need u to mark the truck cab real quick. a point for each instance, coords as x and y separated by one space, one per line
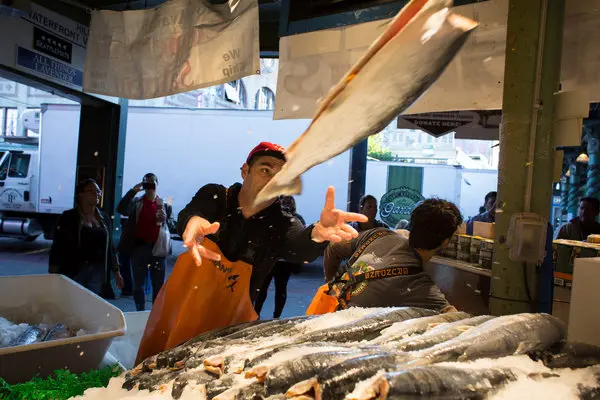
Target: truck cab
18 190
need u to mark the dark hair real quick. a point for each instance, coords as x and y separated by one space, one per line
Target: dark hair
433 221
482 209
490 195
80 188
364 199
292 206
82 185
150 175
593 201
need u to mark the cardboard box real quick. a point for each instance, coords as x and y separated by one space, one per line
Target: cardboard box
483 229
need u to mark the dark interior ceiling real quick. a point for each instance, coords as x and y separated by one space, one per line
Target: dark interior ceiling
270 12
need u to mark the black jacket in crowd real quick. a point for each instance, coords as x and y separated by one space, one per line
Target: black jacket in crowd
63 253
260 240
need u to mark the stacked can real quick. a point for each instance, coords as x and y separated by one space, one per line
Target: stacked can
463 252
475 249
486 253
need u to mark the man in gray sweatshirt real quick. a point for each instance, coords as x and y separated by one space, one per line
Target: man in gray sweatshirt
385 268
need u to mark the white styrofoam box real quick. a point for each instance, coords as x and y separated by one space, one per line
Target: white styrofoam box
36 299
584 314
125 348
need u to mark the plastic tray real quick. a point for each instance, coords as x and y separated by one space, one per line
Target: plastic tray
29 298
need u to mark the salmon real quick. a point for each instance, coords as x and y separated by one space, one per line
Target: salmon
499 337
366 328
399 66
434 382
404 329
439 334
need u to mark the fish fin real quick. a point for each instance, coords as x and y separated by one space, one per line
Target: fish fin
214 370
302 388
259 372
527 347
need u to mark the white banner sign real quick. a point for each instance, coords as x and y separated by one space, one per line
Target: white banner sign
311 63
179 46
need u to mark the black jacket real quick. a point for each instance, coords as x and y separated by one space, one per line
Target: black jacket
66 241
127 206
260 240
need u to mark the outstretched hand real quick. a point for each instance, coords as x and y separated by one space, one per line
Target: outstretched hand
333 223
195 231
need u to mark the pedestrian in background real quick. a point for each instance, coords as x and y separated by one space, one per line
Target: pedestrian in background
82 248
146 236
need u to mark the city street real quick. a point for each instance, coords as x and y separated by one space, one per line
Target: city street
19 257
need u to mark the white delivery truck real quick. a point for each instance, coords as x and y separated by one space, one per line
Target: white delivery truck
186 149
37 174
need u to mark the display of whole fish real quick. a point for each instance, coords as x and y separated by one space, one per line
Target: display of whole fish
434 382
439 334
31 335
340 379
501 336
196 377
281 377
269 328
402 63
401 330
366 328
569 355
280 359
59 331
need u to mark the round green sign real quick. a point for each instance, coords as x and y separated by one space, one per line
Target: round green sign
397 204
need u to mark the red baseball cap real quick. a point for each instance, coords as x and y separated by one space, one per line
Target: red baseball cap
267 149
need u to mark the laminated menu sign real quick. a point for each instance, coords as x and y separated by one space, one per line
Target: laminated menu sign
176 47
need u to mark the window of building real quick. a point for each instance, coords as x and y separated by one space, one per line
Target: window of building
264 99
12 117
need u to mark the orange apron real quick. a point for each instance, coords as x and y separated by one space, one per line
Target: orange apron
195 300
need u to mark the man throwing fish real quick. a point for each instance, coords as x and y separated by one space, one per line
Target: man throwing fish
232 247
385 268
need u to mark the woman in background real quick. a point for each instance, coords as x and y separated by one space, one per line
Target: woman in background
82 248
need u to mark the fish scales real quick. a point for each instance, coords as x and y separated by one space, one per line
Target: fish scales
401 330
180 383
439 334
269 328
434 382
31 335
281 377
569 355
340 379
366 328
404 61
498 337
